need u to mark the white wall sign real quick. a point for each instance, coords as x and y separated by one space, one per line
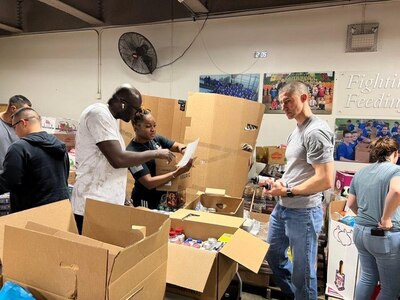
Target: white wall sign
368 93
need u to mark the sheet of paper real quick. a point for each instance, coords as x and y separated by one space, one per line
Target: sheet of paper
189 153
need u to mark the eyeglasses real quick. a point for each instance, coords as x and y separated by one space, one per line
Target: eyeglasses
22 120
15 125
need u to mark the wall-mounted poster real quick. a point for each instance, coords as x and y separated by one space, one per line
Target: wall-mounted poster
238 85
354 136
320 86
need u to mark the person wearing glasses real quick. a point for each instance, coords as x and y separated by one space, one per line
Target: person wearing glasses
146 138
7 134
101 158
375 197
36 167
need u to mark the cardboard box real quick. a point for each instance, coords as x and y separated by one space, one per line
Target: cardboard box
342 179
224 125
178 184
363 153
202 274
111 260
67 138
261 155
222 204
343 262
276 155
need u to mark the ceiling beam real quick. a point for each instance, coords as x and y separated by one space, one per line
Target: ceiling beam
10 28
73 11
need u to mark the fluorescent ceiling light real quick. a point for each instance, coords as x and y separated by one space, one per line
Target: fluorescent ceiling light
195 6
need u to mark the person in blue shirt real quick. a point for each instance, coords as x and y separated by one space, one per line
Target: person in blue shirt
384 133
345 150
350 126
375 196
395 127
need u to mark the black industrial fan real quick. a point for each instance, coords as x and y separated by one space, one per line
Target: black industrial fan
137 52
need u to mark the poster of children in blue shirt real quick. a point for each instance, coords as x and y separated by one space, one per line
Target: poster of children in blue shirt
237 85
353 137
320 87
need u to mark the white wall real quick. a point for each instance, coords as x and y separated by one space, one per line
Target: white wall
58 71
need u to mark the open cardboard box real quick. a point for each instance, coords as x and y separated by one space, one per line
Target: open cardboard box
203 274
122 253
222 204
343 262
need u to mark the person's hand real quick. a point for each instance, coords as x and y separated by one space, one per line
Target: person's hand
278 188
385 224
165 154
185 168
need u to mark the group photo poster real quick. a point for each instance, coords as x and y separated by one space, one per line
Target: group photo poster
320 86
237 85
354 137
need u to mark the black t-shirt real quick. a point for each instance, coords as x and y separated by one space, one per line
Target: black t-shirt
141 196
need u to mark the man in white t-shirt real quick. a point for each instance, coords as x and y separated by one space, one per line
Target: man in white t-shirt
101 159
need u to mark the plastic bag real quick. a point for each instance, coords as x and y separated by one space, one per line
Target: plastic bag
13 291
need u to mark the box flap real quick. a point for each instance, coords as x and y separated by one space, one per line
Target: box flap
189 267
57 215
59 266
209 218
217 192
224 125
246 249
112 223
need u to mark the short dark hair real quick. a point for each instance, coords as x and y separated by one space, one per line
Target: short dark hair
27 111
382 147
346 132
140 115
19 101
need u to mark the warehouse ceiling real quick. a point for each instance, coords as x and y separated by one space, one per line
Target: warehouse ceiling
35 16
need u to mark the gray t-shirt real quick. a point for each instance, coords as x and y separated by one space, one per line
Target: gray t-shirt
370 185
7 137
310 143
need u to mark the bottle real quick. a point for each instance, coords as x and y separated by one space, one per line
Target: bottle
340 277
248 196
258 179
259 201
179 234
172 236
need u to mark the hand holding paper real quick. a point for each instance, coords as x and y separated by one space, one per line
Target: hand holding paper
189 153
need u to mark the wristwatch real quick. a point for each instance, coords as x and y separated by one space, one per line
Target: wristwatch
289 193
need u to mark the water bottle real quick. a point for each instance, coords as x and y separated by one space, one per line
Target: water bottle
259 178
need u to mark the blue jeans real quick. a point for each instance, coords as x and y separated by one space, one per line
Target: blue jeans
298 228
380 261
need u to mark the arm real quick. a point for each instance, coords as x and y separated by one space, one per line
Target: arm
119 158
13 170
151 182
178 147
391 203
352 203
320 181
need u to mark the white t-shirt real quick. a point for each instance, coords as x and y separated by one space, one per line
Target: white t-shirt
95 177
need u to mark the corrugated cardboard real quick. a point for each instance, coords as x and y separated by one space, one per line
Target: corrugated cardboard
212 272
224 125
224 205
178 184
276 155
341 248
112 260
342 179
363 152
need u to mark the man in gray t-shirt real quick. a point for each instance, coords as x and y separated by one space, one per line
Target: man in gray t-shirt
297 219
7 134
